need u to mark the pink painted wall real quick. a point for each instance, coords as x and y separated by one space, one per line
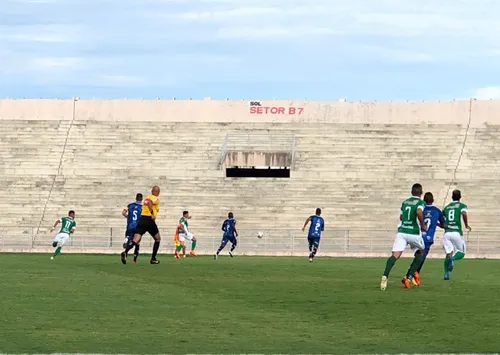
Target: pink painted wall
452 112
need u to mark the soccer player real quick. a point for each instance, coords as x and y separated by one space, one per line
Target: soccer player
229 235
68 226
132 212
453 239
177 242
313 237
433 217
185 233
147 223
411 219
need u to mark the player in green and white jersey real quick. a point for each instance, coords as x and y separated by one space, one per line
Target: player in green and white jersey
68 226
453 238
185 233
411 218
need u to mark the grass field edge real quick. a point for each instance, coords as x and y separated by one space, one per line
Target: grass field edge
106 251
248 354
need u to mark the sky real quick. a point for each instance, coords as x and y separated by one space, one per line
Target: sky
384 50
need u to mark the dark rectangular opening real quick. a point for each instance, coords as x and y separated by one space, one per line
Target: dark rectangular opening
258 172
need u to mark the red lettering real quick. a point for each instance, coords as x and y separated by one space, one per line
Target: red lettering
275 110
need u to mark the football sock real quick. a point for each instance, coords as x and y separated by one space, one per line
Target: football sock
408 273
136 252
417 261
58 250
178 248
421 264
222 246
156 246
314 251
389 265
130 246
193 245
446 264
458 256
233 247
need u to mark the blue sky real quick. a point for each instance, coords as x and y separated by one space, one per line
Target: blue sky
250 49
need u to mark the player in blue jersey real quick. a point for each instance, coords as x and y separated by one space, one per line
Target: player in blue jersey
229 235
132 212
433 217
313 237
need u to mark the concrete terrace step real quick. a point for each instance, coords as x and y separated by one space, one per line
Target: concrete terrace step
358 174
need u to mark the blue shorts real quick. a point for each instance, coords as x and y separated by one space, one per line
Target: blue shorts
313 240
231 239
129 233
427 248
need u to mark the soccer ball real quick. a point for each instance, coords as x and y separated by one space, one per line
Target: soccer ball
260 235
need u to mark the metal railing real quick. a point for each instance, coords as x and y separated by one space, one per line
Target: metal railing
259 141
223 152
294 147
336 242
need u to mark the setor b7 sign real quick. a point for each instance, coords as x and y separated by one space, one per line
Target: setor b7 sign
257 108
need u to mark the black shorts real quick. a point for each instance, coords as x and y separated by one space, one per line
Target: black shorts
146 224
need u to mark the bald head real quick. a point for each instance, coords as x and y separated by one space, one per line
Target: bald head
155 190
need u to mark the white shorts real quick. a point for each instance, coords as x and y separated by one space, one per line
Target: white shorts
189 236
61 238
453 242
415 241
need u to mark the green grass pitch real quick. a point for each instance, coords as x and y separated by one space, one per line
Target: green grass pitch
94 304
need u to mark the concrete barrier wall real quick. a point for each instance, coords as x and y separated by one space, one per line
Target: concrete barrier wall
36 109
477 113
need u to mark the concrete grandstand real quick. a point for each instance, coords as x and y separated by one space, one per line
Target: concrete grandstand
357 161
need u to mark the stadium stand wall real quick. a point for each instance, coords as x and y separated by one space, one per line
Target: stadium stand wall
357 161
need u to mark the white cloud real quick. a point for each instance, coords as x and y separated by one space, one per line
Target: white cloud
390 17
34 1
396 55
225 14
119 80
50 33
270 32
37 37
487 93
57 62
